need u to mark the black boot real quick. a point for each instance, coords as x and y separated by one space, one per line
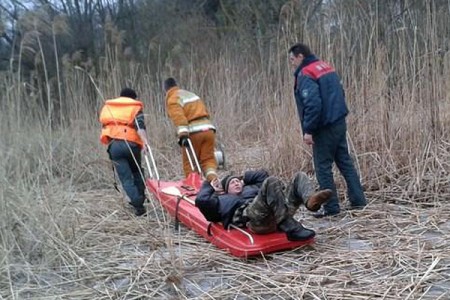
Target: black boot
140 211
295 231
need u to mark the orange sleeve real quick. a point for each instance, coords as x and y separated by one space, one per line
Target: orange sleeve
176 113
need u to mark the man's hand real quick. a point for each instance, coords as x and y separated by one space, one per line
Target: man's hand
143 135
145 149
308 139
216 185
183 140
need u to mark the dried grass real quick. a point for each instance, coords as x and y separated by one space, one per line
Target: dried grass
66 234
93 247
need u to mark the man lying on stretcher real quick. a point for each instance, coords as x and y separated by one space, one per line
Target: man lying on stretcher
260 202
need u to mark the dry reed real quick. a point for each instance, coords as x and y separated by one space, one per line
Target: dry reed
66 234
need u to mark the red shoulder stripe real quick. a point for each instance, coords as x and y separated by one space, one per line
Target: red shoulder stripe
317 69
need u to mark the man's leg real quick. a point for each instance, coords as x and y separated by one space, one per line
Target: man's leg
120 155
138 175
297 192
346 167
324 149
262 210
268 211
204 146
300 191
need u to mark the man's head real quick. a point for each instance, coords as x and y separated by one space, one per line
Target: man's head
297 53
169 83
232 184
129 93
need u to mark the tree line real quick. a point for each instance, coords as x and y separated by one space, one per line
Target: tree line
38 37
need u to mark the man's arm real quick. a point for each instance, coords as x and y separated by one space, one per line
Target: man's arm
312 104
255 177
176 114
141 129
207 202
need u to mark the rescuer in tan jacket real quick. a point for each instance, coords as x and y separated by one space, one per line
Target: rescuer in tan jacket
190 115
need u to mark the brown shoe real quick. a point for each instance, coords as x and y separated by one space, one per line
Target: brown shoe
316 200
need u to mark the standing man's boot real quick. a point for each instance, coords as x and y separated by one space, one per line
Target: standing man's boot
140 211
295 231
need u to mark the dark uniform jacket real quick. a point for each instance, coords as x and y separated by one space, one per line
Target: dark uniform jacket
221 207
319 95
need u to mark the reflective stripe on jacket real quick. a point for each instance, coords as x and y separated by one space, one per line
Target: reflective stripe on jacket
118 119
187 111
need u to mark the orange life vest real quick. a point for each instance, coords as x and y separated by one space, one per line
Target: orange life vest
118 119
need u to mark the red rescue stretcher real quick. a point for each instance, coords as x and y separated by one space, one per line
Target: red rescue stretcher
177 197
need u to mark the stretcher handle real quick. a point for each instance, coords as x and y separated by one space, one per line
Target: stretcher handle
174 191
192 157
155 169
252 241
151 168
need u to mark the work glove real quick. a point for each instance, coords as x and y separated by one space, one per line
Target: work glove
183 141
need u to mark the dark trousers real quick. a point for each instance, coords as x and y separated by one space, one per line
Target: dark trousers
330 145
129 170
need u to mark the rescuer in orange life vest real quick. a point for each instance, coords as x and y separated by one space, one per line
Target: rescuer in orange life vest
190 115
124 133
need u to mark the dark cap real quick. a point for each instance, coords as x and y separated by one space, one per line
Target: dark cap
226 181
129 93
169 83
